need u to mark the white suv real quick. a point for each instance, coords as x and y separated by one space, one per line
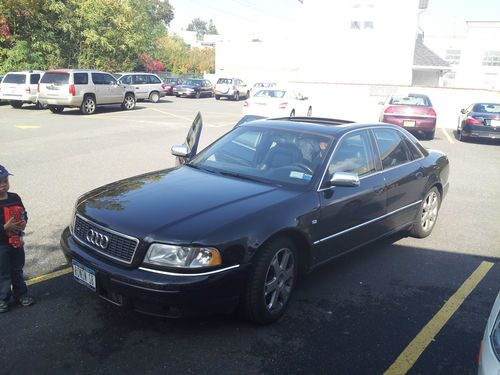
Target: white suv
232 88
85 89
146 85
20 87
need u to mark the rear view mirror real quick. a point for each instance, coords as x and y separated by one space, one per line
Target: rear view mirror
345 179
180 150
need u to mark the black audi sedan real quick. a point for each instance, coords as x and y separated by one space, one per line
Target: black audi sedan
479 120
194 88
236 224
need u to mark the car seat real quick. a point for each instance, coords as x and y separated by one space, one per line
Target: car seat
282 155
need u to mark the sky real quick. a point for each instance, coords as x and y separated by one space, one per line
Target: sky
278 17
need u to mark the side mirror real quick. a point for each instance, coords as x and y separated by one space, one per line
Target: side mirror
463 111
380 103
180 150
345 179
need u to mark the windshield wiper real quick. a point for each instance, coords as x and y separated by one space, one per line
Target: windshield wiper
241 176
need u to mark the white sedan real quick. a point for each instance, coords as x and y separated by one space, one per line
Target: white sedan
489 355
274 102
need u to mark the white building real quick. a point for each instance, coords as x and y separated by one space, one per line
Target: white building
473 53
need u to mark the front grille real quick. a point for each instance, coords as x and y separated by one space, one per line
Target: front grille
120 246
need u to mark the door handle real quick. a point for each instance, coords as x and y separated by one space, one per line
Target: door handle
419 175
379 189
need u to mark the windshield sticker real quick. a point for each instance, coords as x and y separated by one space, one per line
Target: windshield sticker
300 175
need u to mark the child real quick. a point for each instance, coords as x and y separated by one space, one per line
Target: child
11 247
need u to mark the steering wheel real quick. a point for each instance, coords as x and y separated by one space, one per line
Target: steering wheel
302 166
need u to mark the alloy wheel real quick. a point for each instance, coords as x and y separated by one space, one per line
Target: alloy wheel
430 211
279 280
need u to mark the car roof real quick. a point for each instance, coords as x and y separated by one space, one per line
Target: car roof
26 72
319 125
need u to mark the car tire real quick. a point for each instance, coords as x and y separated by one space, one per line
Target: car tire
461 137
430 135
248 95
292 114
427 214
56 108
309 112
236 96
88 105
271 281
217 97
16 104
198 95
128 102
154 97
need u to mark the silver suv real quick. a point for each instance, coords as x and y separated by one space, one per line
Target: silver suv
20 87
84 89
146 85
232 88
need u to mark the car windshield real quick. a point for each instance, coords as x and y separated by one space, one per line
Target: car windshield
273 156
487 108
193 82
270 94
418 100
172 80
225 80
15 78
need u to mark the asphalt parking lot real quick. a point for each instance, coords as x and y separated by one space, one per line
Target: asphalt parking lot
360 314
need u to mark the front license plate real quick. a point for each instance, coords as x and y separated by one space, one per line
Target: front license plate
409 124
84 275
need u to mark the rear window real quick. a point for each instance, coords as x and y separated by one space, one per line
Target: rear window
34 78
418 100
270 94
486 108
173 80
57 78
225 80
15 78
81 79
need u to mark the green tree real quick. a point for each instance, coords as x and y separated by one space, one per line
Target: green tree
211 29
199 26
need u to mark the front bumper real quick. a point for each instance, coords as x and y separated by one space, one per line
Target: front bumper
185 94
167 295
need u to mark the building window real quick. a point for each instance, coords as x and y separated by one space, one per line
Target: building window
453 56
362 14
491 58
355 25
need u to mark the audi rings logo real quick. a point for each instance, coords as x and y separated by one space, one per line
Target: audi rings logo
97 239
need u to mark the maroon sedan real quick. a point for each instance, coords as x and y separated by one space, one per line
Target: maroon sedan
414 112
169 84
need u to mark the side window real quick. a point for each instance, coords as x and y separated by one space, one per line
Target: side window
81 78
127 80
140 79
98 78
354 154
154 79
393 149
34 78
414 152
109 79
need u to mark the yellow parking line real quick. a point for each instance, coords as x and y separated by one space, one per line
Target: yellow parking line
409 356
48 276
27 126
448 136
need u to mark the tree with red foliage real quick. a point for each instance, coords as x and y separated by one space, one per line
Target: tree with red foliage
150 64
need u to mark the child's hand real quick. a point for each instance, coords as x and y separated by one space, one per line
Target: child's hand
13 225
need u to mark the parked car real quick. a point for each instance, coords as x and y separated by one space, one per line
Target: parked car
20 88
277 102
147 86
194 88
479 120
414 112
261 85
489 353
237 223
84 89
231 88
170 83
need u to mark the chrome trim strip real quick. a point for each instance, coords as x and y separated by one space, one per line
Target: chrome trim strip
409 115
111 231
188 274
368 222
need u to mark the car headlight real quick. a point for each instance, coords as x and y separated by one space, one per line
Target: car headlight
72 220
182 256
495 337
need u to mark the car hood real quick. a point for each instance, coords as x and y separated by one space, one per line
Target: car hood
178 205
187 86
